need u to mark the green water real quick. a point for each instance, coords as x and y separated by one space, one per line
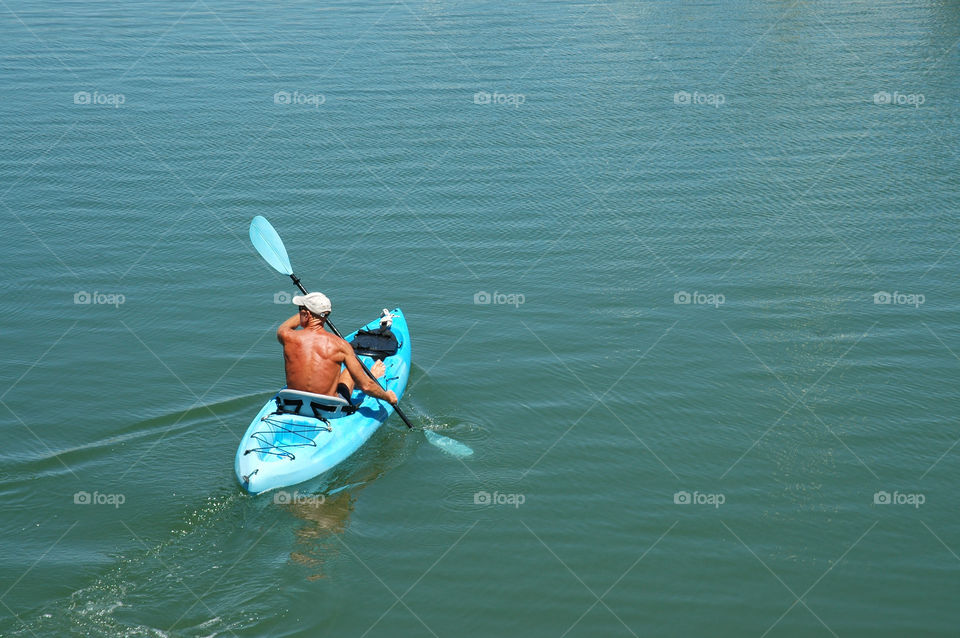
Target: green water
777 164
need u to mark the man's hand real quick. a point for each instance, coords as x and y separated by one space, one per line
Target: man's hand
368 385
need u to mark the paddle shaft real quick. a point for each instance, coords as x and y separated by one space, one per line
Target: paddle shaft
333 329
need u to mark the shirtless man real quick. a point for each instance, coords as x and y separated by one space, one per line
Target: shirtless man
320 362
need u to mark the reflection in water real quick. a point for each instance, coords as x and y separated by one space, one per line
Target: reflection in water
326 510
325 515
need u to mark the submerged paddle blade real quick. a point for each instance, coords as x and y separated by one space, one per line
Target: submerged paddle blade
267 242
448 445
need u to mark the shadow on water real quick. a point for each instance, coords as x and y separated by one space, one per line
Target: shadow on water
325 505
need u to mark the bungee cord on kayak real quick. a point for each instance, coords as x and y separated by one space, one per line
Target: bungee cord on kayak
273 441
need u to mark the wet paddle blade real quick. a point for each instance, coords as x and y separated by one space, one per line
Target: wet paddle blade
448 445
268 243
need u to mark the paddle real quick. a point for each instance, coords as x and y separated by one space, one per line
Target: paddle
268 243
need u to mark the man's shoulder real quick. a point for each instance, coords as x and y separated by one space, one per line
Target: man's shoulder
328 341
339 342
318 339
286 334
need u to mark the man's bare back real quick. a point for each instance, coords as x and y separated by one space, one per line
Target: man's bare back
323 363
312 360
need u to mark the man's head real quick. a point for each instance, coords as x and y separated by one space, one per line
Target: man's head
314 306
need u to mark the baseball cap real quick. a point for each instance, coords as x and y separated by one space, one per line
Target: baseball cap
315 302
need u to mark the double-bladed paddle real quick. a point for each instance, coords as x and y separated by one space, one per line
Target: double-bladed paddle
268 243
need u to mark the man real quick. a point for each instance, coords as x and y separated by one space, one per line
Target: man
320 362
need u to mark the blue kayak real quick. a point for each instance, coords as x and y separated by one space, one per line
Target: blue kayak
298 435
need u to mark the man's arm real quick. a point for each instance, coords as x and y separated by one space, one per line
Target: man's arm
368 385
288 326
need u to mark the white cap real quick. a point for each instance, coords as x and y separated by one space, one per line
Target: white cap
315 302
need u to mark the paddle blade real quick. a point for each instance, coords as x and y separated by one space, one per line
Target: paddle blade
267 242
448 445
